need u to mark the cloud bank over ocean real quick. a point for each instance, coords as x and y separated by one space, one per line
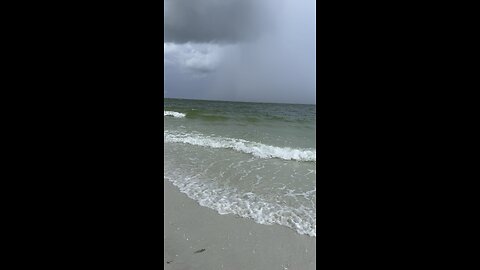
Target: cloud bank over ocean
241 50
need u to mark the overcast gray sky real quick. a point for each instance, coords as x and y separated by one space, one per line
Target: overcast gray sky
240 50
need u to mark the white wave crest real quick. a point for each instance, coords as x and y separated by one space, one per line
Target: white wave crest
174 114
257 149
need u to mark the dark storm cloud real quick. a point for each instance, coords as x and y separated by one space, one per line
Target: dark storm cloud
203 21
241 50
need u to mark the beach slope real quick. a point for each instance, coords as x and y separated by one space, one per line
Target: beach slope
197 237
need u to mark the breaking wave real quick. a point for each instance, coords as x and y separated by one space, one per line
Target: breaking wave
174 114
256 149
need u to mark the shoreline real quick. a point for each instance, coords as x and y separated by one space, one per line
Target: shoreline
197 237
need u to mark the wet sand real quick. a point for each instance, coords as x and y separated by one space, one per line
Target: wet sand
196 237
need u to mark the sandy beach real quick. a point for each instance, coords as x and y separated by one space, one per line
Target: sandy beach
197 237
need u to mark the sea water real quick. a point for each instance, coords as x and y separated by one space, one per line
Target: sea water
253 160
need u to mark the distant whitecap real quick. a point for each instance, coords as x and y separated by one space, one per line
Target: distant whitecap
174 114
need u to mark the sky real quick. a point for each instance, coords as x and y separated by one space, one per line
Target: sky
240 50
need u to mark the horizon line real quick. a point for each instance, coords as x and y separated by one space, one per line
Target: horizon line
259 102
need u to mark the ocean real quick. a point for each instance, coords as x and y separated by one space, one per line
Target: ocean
253 160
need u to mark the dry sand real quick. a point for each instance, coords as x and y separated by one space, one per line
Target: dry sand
197 237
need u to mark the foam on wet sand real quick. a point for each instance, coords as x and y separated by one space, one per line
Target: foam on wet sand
197 237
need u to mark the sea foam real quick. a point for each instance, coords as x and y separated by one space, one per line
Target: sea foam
174 114
254 148
247 205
